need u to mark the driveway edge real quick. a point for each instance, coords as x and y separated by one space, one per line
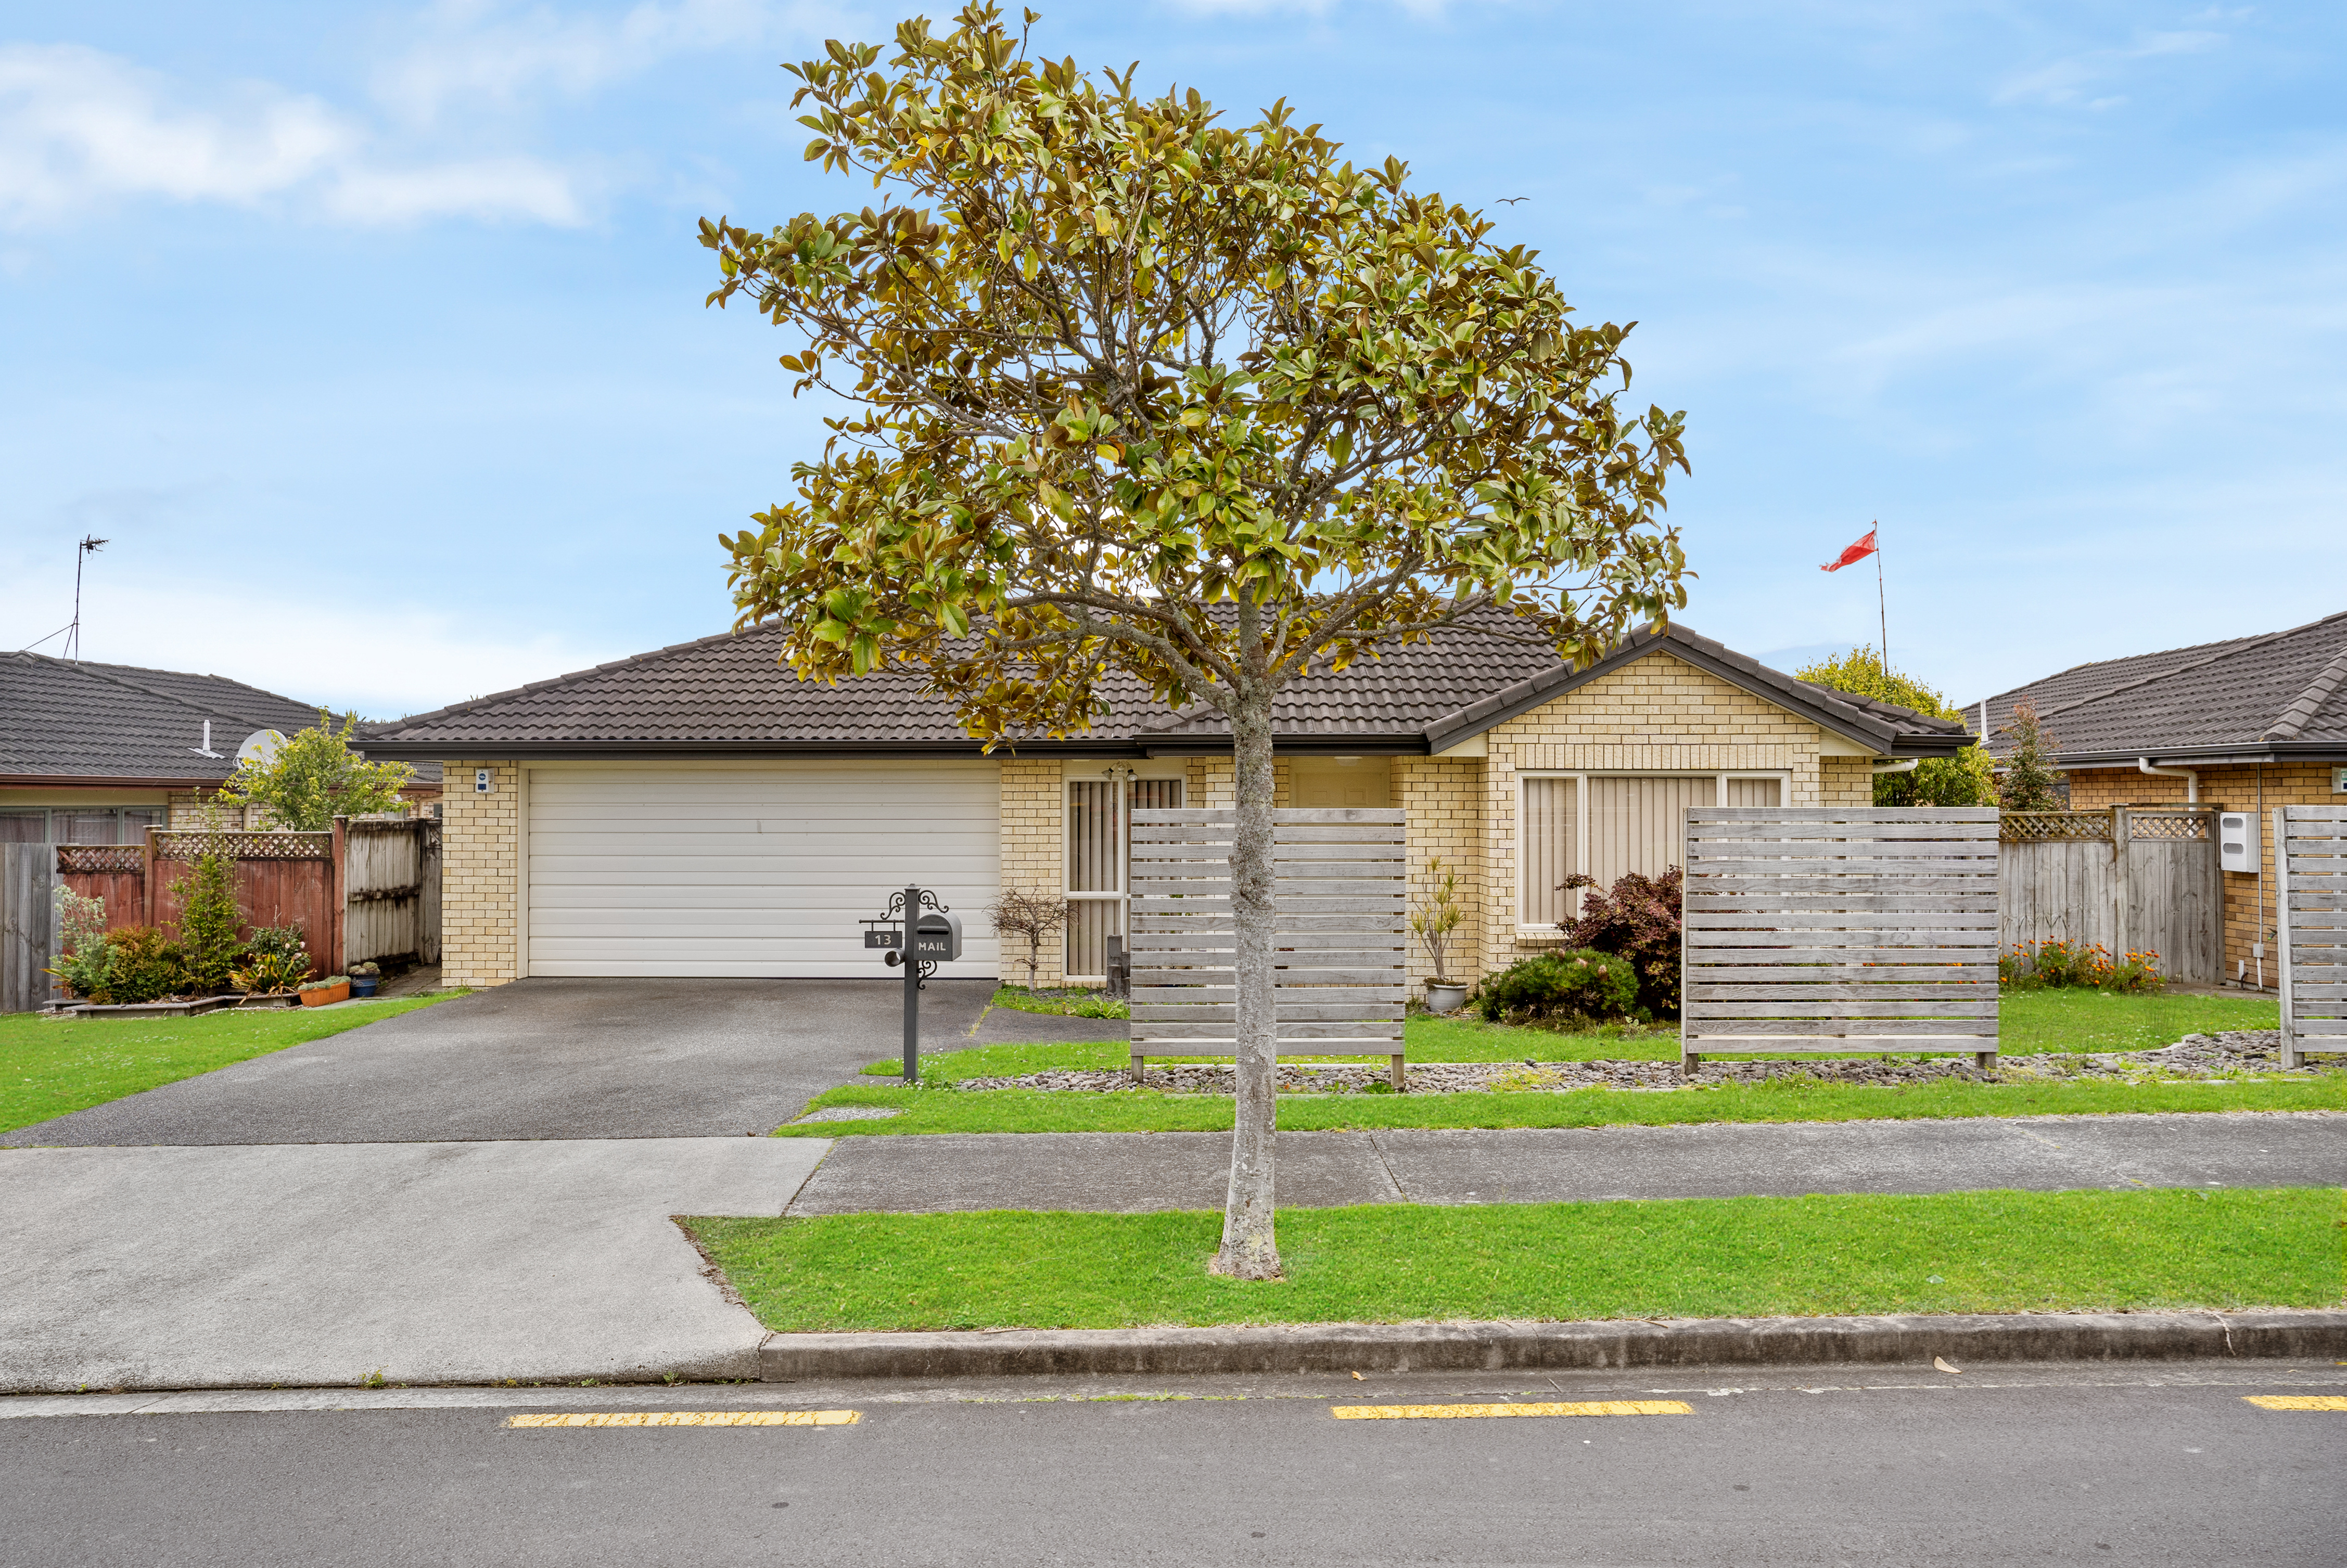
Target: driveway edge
2277 1335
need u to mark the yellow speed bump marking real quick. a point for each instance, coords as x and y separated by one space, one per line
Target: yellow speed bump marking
690 1419
2297 1402
1554 1408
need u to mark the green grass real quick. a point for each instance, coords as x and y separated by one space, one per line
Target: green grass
1700 1257
930 1110
2031 1022
1067 1002
50 1067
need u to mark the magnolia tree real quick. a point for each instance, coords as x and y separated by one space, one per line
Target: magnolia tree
1133 389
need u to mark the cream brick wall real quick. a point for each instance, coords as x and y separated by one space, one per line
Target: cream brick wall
1033 821
1444 797
1658 713
480 870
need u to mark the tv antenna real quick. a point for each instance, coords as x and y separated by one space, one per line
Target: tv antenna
91 545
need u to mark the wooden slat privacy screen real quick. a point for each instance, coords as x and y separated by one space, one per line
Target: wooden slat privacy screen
1341 938
2311 893
1813 930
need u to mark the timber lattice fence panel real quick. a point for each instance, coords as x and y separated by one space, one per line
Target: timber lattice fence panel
2311 893
1813 930
2122 878
1340 933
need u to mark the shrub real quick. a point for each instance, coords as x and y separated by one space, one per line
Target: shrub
87 962
209 921
1582 984
2038 965
2031 781
1639 920
148 966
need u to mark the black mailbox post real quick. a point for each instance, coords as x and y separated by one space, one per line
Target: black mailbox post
936 939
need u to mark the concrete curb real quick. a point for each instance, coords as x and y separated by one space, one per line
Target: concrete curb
1497 1346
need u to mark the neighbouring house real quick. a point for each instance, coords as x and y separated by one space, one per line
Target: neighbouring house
701 811
96 753
2247 724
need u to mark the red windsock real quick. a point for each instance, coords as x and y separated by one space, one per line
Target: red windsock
1856 552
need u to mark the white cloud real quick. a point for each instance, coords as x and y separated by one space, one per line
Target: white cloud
2066 82
79 129
384 659
475 53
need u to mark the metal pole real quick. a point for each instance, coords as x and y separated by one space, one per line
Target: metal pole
912 989
1881 605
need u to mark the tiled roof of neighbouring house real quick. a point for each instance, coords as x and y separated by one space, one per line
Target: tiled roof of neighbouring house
65 718
2282 694
729 693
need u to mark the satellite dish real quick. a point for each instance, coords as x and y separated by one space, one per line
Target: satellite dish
260 748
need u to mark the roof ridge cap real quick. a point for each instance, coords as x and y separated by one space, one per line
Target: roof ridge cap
2299 714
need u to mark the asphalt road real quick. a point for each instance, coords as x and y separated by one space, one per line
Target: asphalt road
2163 1464
545 1059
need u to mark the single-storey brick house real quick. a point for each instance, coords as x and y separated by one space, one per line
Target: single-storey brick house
98 753
701 811
2249 724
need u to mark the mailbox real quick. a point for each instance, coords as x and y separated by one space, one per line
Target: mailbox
937 937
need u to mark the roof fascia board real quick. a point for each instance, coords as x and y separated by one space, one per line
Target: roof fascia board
2208 755
111 780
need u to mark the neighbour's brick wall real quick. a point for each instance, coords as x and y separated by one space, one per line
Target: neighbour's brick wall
480 872
2249 910
1444 797
1657 714
1033 820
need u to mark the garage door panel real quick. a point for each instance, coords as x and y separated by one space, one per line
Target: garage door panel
642 870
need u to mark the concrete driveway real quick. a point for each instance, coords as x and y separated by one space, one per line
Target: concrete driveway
545 1059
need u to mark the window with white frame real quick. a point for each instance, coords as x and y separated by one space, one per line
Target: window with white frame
1604 826
1099 863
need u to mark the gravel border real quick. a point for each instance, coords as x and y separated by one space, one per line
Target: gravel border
2243 1053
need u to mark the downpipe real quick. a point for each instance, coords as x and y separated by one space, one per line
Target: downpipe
2191 779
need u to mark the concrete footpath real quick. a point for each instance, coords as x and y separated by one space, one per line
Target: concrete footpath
1135 1172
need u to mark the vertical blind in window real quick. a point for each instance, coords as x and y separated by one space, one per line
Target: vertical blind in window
1098 845
1635 824
1551 815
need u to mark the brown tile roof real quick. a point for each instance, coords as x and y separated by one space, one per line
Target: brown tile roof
727 693
2277 696
65 719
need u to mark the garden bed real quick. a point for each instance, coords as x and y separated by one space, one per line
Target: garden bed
186 1007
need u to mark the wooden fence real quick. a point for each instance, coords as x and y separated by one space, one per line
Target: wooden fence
26 915
2127 878
369 889
1340 935
390 888
2310 891
1815 929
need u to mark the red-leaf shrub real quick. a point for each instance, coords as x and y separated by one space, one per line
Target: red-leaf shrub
1639 920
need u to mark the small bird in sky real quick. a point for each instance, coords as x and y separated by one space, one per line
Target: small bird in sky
1511 201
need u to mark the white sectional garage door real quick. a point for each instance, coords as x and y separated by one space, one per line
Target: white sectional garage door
670 869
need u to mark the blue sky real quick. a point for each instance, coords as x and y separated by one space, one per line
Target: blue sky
373 337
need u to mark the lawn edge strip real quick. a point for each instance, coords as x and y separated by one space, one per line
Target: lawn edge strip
2273 1334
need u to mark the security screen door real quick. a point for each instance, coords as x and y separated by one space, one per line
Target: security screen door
1100 851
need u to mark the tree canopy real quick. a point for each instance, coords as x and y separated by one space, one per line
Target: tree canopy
1117 363
315 777
1964 780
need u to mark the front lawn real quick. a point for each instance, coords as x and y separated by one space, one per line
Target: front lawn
1698 1257
1787 1099
51 1067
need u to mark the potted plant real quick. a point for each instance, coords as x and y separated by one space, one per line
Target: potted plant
1435 917
319 992
364 977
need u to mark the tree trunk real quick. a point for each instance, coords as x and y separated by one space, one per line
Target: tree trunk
1250 1250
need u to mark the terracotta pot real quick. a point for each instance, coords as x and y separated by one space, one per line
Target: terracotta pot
321 995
